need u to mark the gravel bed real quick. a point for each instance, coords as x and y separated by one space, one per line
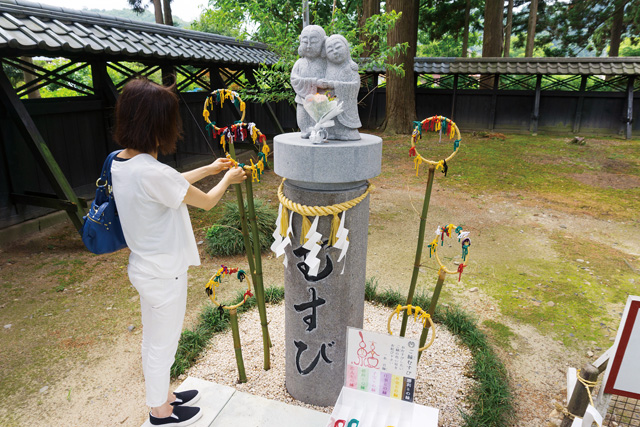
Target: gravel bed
442 380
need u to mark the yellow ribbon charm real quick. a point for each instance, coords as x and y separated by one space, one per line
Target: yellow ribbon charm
417 161
398 311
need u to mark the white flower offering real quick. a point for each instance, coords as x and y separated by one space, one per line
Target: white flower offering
322 109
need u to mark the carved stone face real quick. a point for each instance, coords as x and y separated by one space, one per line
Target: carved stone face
337 52
310 44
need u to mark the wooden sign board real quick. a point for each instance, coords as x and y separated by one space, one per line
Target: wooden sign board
623 372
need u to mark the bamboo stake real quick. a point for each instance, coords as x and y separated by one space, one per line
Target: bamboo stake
243 219
432 306
416 264
257 283
235 331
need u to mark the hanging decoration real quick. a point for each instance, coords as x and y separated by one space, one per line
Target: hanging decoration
419 315
439 124
242 132
463 238
237 132
309 237
216 280
218 97
210 289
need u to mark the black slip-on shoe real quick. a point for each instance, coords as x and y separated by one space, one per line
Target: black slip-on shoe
182 416
186 398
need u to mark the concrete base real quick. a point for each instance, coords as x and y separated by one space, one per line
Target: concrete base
319 308
334 162
223 406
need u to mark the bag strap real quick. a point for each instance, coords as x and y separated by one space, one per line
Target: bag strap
105 177
106 169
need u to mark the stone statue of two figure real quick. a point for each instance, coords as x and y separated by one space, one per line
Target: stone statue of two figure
325 66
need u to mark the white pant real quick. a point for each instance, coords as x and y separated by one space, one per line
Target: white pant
163 303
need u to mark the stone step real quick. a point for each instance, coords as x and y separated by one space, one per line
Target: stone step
224 406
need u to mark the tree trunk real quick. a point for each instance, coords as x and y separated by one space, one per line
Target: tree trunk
492 40
168 17
157 8
616 27
531 29
465 35
369 9
507 30
401 91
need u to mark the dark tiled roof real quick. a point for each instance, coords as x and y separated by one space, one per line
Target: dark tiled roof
28 28
561 66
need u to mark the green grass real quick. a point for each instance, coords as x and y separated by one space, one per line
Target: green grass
500 333
539 168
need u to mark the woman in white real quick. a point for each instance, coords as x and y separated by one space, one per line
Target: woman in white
152 201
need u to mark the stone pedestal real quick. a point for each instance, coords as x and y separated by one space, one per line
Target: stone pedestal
320 307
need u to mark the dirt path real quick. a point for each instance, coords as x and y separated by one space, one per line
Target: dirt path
92 374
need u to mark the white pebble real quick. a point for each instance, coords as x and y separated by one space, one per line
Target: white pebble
444 366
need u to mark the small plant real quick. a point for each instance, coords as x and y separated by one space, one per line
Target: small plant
225 238
59 288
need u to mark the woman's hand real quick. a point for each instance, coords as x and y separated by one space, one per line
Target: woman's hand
198 198
219 165
235 175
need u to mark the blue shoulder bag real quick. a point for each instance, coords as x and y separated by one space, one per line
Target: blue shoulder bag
101 231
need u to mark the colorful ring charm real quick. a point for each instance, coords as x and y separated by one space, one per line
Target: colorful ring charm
434 124
216 280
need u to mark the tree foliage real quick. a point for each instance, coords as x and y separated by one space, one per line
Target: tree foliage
278 24
583 27
444 20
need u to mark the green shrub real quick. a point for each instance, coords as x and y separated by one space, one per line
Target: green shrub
225 238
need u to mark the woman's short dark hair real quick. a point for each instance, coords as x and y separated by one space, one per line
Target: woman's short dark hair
148 117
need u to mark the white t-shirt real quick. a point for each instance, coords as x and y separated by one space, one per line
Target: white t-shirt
154 220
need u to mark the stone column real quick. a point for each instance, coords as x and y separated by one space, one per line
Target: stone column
320 307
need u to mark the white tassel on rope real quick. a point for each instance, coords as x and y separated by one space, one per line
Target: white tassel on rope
342 241
279 244
277 237
313 237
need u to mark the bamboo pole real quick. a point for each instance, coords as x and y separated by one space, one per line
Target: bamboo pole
416 264
235 331
258 283
243 219
250 257
432 306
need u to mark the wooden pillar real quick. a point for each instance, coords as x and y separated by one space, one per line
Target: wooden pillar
578 116
536 106
453 97
494 101
580 396
267 106
66 197
629 115
103 86
104 89
168 75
